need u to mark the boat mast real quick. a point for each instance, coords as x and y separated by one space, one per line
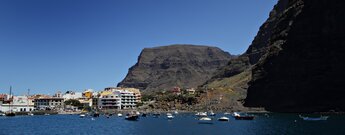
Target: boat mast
27 98
10 100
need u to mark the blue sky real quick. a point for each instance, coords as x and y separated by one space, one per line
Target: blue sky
50 45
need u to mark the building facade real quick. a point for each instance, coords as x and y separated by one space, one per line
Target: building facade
18 104
109 100
49 103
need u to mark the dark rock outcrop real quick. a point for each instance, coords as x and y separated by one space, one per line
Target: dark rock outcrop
302 70
258 47
186 66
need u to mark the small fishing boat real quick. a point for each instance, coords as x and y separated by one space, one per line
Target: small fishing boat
212 113
119 115
243 116
223 119
205 120
46 114
10 114
314 118
30 114
156 115
201 114
175 112
82 115
227 113
170 116
131 117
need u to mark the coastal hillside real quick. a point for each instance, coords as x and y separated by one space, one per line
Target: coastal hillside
185 66
234 77
302 70
258 47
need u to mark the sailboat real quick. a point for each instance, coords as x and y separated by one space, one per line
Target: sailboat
10 114
27 106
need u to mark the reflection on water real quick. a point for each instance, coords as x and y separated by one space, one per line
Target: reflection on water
185 124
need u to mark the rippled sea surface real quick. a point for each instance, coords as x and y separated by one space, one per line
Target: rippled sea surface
182 124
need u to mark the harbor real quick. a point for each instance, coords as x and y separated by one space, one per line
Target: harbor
182 123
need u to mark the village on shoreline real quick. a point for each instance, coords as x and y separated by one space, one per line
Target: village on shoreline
72 102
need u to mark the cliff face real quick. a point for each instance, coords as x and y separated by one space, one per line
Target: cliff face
258 47
186 66
232 80
302 70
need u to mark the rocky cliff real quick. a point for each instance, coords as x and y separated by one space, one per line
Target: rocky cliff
302 70
186 66
258 47
231 81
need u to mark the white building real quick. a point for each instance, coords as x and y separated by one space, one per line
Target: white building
19 104
113 98
128 99
109 100
72 95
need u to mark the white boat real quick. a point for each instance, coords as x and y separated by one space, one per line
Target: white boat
30 114
212 113
46 114
119 115
176 112
170 116
223 119
201 114
205 120
82 115
314 118
227 113
137 113
2 114
236 114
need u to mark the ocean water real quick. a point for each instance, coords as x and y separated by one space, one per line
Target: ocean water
182 124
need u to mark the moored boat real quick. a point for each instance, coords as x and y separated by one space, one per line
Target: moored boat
119 115
212 113
223 118
10 114
137 113
156 115
131 117
30 114
176 112
227 113
201 114
82 115
243 116
205 120
170 116
314 118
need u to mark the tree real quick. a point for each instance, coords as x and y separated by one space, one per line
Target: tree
73 102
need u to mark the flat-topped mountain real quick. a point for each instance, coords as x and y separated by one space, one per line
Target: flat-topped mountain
185 66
